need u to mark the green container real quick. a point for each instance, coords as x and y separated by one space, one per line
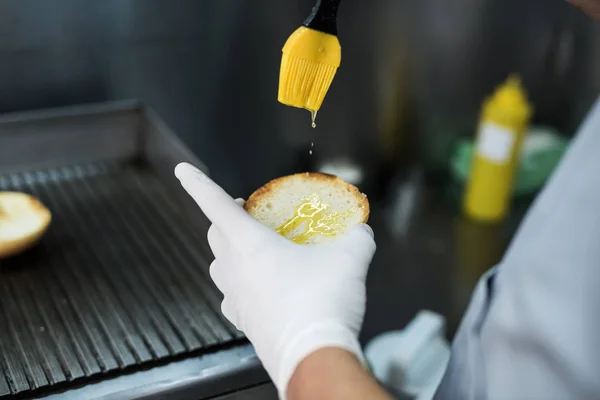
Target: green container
541 152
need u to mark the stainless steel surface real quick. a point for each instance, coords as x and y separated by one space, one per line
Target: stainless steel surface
432 260
203 377
413 73
263 392
106 131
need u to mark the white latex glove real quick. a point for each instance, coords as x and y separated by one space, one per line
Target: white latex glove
288 299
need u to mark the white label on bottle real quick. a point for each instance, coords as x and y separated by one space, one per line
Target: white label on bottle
495 143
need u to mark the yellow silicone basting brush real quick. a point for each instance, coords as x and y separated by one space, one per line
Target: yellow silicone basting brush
311 57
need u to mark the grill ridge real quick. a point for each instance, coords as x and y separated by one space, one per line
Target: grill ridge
120 280
192 252
183 257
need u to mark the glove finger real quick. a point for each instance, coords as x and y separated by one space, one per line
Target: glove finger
228 310
219 207
361 235
241 202
217 242
368 229
359 244
219 276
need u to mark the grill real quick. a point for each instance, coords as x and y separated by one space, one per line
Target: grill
119 281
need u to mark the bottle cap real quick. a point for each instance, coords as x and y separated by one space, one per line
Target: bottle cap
511 96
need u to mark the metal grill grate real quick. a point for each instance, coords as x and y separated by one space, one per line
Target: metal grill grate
119 280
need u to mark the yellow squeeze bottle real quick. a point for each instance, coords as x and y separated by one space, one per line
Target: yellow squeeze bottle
504 120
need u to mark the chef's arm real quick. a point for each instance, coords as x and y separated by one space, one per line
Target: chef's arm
331 374
591 7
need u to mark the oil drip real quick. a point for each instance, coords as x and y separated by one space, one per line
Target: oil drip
313 117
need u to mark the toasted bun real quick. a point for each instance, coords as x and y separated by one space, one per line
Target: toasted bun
334 205
23 221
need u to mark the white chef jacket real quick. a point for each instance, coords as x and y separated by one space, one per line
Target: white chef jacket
532 330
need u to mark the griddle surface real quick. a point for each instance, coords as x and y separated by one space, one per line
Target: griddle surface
119 281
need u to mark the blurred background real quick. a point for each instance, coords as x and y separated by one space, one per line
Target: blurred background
413 77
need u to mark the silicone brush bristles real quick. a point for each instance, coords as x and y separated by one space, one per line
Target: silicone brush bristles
309 63
304 83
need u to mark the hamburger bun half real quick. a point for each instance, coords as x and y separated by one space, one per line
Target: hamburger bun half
23 221
309 208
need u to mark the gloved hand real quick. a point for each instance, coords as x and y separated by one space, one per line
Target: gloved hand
288 299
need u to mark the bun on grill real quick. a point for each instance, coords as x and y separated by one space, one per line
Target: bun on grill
309 208
23 221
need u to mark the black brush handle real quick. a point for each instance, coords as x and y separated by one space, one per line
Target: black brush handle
323 17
